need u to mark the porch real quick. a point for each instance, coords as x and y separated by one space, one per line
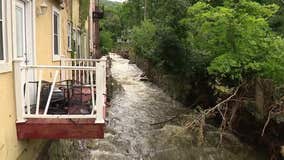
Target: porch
59 102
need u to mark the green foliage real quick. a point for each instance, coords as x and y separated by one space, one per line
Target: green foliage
143 39
227 41
111 21
106 42
236 40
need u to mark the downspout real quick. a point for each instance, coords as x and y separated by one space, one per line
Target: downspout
90 35
96 32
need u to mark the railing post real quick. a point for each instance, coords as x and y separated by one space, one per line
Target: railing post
100 91
19 78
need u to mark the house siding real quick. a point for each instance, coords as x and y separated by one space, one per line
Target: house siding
10 147
44 31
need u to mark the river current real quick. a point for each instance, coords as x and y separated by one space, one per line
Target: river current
130 134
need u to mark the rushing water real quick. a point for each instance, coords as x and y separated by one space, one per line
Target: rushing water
129 135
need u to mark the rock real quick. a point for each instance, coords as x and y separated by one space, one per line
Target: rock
143 75
144 79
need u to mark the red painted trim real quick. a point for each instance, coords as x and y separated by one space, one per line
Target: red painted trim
60 129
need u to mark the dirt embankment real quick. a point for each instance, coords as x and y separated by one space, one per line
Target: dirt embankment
254 114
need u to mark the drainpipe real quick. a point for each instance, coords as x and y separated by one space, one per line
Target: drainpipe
90 29
96 32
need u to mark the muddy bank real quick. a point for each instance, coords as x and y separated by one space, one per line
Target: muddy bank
249 117
184 90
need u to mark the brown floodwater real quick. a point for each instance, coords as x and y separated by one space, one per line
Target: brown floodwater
130 136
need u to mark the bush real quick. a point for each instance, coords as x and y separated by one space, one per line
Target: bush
143 40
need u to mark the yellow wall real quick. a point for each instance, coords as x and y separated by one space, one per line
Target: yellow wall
77 24
44 37
75 13
10 147
44 34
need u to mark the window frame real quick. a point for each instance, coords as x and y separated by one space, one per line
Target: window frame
74 39
24 34
55 11
2 19
69 36
5 64
78 46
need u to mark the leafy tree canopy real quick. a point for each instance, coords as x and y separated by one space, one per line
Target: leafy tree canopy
236 40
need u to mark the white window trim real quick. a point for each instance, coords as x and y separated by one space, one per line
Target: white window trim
69 34
56 57
30 30
25 25
6 64
3 33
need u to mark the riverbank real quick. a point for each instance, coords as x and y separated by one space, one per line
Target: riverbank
244 121
136 131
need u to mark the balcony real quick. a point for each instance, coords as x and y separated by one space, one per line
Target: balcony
61 102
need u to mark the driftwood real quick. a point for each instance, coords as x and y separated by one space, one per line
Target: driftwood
216 107
200 120
166 121
276 110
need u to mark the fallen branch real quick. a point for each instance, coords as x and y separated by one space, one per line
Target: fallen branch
223 127
271 113
266 123
208 111
166 121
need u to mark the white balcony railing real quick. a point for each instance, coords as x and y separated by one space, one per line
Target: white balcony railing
81 74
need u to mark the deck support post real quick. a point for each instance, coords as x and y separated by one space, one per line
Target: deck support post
100 91
19 78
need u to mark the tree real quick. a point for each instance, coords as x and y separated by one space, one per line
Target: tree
106 42
143 40
236 40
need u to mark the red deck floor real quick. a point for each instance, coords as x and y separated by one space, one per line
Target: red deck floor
79 103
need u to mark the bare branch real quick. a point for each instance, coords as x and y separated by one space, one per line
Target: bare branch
208 111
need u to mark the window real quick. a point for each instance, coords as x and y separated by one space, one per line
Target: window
74 39
79 44
5 58
69 36
56 34
2 55
74 34
20 30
